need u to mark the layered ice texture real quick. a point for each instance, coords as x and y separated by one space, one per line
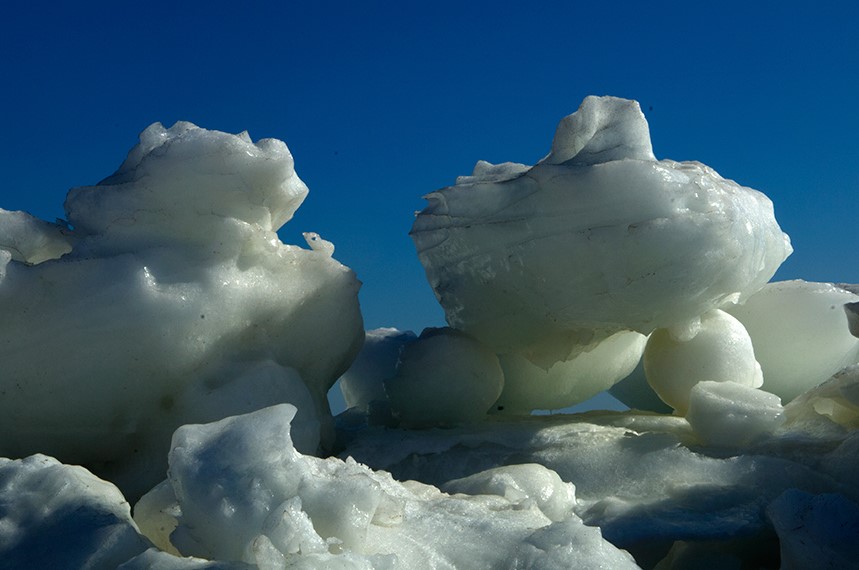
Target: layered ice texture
168 299
598 237
168 340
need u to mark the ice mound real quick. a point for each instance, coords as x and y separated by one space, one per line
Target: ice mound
378 360
716 349
62 516
596 238
176 303
800 333
239 491
444 377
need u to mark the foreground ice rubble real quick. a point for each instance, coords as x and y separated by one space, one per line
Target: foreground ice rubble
167 299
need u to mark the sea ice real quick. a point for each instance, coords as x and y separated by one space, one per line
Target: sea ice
800 334
363 383
62 516
170 300
731 414
529 387
241 492
716 348
597 238
444 377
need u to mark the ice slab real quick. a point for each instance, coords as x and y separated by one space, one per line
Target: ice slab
597 238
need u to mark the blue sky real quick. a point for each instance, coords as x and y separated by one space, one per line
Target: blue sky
382 102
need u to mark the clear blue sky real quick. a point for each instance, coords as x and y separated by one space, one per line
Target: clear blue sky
382 102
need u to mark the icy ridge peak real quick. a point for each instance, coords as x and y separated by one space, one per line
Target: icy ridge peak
603 129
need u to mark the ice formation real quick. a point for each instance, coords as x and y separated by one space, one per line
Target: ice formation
800 334
444 377
598 237
170 300
239 491
718 350
168 308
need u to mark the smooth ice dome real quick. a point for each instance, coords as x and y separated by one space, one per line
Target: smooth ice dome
715 348
596 238
176 303
800 332
444 377
529 387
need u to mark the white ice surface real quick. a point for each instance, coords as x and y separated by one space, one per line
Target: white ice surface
177 303
596 238
714 348
800 334
241 492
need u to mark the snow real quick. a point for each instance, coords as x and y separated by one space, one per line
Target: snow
164 348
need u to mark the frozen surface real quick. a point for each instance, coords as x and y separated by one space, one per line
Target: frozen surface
596 238
800 334
715 349
62 516
445 377
177 303
240 491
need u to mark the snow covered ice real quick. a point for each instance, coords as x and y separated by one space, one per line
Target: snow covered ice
191 352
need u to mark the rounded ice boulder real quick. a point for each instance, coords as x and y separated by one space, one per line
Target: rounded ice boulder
596 238
445 377
715 349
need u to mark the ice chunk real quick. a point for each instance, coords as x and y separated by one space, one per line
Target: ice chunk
528 387
597 238
521 484
720 352
800 334
445 377
364 381
31 240
729 414
62 516
243 493
178 303
316 243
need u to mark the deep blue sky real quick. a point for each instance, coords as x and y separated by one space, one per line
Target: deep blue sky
382 102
